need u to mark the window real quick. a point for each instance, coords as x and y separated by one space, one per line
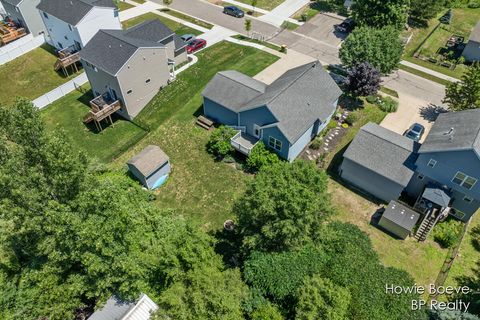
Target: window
274 143
467 199
463 180
458 214
70 27
420 177
147 81
431 163
45 15
129 91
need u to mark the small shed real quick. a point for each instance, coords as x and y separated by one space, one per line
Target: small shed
399 219
151 166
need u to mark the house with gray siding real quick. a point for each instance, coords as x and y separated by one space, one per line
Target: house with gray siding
72 23
285 115
25 14
151 167
131 66
441 174
472 49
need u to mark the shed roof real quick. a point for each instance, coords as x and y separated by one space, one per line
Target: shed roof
72 11
475 35
454 131
116 309
109 50
297 98
401 215
148 160
437 196
385 152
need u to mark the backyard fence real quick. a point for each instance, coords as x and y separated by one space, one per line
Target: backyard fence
60 91
19 47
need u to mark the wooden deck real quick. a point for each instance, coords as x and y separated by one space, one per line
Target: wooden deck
101 108
9 32
67 58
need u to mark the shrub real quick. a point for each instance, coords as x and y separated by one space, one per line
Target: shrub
219 143
387 104
447 233
259 157
351 119
372 99
316 144
332 124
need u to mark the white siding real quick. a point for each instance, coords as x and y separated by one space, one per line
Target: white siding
59 32
96 19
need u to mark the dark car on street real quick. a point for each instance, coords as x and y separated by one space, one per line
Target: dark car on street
234 12
415 132
346 26
196 45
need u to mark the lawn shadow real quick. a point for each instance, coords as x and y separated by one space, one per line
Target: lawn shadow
431 112
228 246
476 238
350 103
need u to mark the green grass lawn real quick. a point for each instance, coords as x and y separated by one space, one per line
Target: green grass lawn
264 4
263 43
124 5
185 17
199 186
464 19
176 27
30 75
67 113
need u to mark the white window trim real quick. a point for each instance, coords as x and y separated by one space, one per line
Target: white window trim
255 128
433 162
464 179
275 143
467 199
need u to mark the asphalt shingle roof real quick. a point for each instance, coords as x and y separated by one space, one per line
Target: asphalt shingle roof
109 50
72 11
436 195
12 2
297 98
454 131
401 215
385 152
148 160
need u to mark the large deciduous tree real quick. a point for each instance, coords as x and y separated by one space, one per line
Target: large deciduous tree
423 10
363 80
465 94
378 13
283 207
380 47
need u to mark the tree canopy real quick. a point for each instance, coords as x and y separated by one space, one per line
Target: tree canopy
283 207
363 80
378 14
423 10
381 47
465 94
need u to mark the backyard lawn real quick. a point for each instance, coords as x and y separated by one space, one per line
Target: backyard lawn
67 113
264 4
464 19
176 27
124 5
30 75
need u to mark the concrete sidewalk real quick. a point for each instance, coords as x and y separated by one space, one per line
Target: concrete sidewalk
430 72
284 11
138 10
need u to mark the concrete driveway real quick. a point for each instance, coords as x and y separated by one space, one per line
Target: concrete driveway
420 102
322 28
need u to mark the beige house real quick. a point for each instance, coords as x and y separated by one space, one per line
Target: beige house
127 68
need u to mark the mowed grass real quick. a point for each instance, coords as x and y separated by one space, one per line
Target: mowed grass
66 115
176 27
464 20
468 256
124 5
264 4
199 186
30 75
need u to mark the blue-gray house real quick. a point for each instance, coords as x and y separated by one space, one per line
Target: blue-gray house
286 115
441 174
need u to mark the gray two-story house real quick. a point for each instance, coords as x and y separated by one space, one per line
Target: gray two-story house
128 67
285 115
442 172
472 49
25 14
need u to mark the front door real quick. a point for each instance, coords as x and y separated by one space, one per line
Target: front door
256 131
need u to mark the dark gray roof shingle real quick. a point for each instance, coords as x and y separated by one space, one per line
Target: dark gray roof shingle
148 160
297 98
109 50
454 131
116 309
72 11
401 215
437 196
385 152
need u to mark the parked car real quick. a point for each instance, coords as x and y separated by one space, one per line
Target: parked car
188 37
346 26
234 11
415 132
196 45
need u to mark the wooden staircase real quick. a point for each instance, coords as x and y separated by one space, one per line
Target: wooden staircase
204 122
430 220
66 59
